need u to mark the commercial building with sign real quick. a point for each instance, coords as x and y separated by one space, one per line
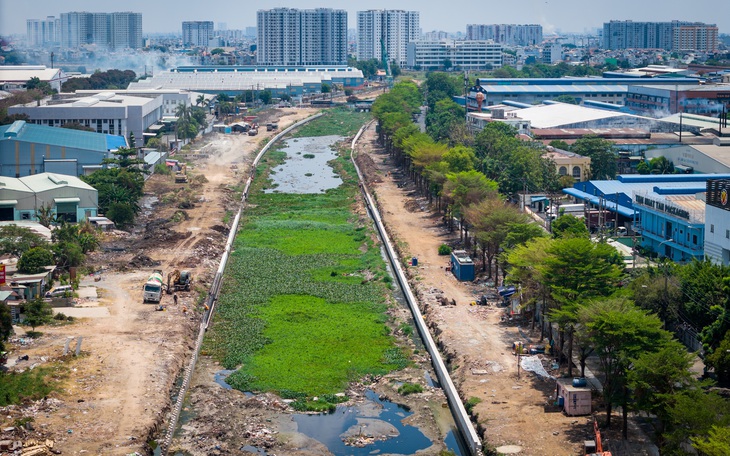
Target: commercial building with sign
673 226
717 221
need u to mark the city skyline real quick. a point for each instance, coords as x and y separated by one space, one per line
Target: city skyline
564 15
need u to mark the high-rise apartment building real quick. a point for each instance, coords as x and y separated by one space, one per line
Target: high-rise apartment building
288 36
389 31
507 34
43 32
106 30
197 33
675 35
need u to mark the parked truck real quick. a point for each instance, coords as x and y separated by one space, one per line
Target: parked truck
153 288
179 280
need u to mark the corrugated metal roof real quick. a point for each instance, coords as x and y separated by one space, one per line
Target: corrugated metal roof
552 88
49 181
555 115
16 74
63 137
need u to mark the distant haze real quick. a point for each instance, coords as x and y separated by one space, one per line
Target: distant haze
450 16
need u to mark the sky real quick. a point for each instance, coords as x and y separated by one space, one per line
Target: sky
451 16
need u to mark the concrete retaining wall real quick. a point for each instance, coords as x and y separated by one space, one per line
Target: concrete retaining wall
463 422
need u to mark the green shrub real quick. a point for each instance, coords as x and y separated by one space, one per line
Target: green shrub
162 169
444 249
471 403
410 388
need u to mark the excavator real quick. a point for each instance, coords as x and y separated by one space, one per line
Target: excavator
179 280
595 447
181 177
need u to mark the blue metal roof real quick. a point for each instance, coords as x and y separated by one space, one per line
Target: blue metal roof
56 136
610 205
662 178
114 142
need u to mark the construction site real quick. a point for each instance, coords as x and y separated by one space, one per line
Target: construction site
118 387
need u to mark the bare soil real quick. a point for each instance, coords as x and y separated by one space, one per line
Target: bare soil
115 396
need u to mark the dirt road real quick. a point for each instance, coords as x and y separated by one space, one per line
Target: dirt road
476 343
115 395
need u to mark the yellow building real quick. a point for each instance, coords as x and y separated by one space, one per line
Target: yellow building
569 163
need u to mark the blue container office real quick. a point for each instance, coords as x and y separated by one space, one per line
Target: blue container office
462 266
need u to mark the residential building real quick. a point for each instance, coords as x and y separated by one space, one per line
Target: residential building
454 54
27 149
288 36
569 163
70 198
507 34
387 31
197 33
105 112
552 53
105 30
43 32
675 35
717 221
16 77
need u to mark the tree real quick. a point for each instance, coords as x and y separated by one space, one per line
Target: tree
466 188
490 220
35 83
567 99
200 101
620 333
661 165
569 226
601 153
717 443
441 119
122 214
643 168
395 70
16 240
35 260
719 360
692 417
447 64
68 254
575 271
77 126
46 216
523 263
656 378
326 88
265 96
217 51
37 313
6 324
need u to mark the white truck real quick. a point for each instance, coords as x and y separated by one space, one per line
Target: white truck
153 288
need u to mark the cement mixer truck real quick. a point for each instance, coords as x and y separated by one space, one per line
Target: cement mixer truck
153 287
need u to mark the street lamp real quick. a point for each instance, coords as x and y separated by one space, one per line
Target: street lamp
661 243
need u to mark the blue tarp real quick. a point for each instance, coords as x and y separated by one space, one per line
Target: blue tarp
610 205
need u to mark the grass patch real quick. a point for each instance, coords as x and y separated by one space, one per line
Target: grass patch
410 388
28 385
335 121
296 315
471 403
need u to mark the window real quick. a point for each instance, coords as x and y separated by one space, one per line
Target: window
727 234
694 239
712 228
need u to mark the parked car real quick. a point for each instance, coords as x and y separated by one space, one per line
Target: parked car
60 291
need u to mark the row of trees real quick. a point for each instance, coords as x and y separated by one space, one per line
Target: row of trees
577 284
101 80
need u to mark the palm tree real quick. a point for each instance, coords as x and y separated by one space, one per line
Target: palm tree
200 101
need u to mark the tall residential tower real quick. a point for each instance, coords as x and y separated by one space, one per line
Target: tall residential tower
389 30
675 35
106 30
288 36
197 33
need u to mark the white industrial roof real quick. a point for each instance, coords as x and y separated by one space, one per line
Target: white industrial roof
23 74
692 120
557 114
49 181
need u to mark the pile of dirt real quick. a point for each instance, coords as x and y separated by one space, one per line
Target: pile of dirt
368 168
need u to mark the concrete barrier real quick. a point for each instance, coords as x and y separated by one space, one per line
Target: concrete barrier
463 422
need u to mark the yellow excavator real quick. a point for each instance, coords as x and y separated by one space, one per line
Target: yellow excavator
179 280
181 177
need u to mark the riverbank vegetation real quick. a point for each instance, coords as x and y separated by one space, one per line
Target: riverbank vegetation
302 310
